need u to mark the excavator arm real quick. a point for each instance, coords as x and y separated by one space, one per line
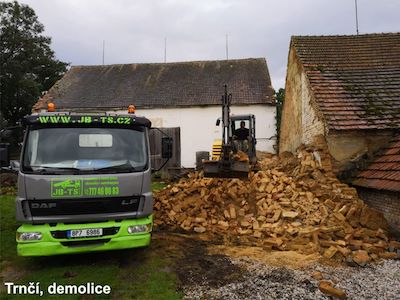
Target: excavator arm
228 165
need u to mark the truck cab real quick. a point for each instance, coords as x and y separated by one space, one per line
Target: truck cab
84 183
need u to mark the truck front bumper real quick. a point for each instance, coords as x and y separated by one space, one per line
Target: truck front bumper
54 242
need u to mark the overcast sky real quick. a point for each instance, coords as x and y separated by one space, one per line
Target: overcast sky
134 30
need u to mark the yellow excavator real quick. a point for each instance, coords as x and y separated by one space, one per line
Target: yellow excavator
226 160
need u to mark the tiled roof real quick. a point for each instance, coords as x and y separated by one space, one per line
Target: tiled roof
355 79
163 84
384 171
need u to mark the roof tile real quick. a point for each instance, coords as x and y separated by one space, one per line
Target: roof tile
163 84
383 172
357 73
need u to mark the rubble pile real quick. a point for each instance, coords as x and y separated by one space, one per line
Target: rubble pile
292 203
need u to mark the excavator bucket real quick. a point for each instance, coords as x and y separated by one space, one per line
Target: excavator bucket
235 169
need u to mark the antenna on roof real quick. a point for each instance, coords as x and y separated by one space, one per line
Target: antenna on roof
165 50
226 46
355 2
104 45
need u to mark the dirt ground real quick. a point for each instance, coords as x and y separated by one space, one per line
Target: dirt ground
290 259
198 262
192 261
209 269
187 256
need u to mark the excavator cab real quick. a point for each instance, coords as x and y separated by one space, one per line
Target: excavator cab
250 145
250 124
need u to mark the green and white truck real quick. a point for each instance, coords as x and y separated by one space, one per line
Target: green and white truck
84 183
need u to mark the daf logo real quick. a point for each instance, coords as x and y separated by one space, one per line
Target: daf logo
43 205
128 202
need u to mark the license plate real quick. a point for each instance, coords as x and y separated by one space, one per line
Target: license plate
77 233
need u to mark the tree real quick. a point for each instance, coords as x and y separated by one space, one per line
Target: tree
280 99
27 64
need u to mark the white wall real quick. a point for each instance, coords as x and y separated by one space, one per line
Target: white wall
198 130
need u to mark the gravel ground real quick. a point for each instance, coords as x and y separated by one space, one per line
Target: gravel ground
380 281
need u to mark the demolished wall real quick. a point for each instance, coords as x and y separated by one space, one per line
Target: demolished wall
292 203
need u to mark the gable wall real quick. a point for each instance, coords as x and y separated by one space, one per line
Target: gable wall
300 121
312 124
290 130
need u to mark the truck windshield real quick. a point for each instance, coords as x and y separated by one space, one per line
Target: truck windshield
104 150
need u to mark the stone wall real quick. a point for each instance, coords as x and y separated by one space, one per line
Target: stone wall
311 120
386 202
301 122
290 131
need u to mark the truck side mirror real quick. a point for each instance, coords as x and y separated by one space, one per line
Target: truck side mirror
5 133
166 147
15 165
4 155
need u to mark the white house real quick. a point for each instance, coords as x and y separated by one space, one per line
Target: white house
182 94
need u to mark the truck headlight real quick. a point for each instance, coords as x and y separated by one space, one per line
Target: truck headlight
139 228
29 236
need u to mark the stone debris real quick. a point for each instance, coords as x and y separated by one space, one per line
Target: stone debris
361 257
326 287
291 203
317 275
241 156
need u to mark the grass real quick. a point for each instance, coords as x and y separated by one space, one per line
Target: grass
152 280
132 274
67 273
156 185
8 228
